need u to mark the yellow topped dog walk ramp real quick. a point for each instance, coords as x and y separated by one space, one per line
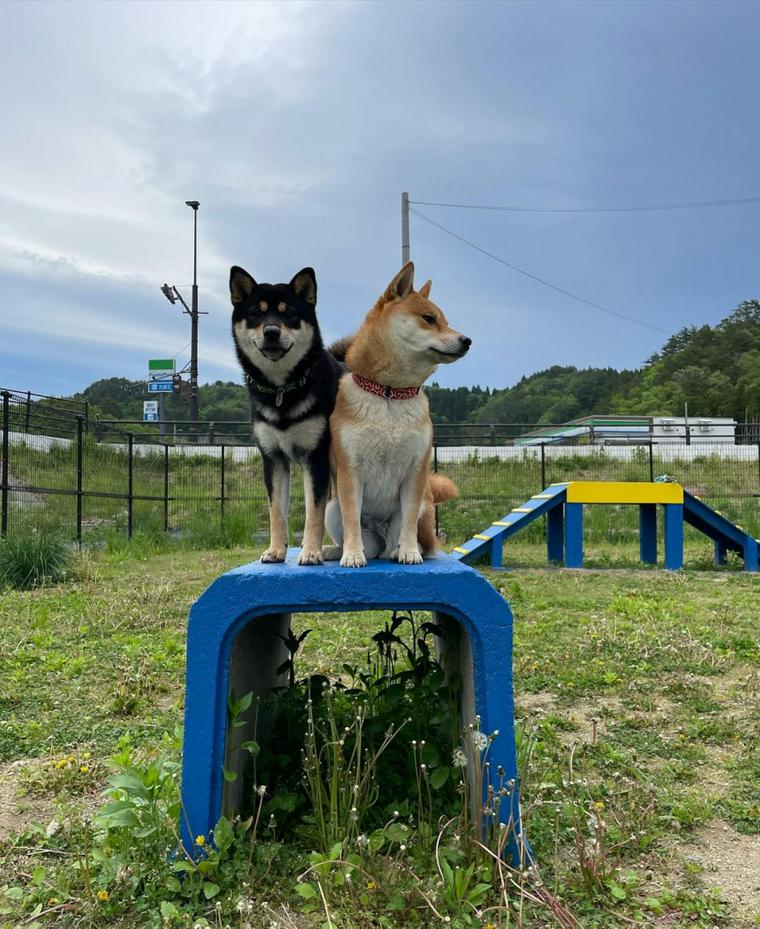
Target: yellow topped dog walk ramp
491 539
562 504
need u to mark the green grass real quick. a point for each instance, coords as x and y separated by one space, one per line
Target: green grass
647 680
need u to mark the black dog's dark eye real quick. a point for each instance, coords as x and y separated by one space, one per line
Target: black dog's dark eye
429 319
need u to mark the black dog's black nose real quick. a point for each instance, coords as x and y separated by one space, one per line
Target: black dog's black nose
466 343
272 334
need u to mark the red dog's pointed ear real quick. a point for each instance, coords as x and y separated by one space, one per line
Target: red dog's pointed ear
424 291
402 284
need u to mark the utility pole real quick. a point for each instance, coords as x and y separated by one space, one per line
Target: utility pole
193 204
404 228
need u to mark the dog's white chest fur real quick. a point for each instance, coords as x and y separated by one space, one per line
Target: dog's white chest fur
295 441
384 441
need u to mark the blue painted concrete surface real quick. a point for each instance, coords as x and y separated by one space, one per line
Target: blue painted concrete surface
442 584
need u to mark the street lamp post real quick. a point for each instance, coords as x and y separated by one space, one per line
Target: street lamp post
193 204
172 295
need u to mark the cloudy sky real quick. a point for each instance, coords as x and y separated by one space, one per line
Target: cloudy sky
297 126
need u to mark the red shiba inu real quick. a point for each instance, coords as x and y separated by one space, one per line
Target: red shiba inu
381 431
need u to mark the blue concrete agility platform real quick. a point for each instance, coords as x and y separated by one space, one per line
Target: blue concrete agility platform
235 641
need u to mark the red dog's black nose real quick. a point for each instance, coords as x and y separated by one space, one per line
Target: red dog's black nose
466 343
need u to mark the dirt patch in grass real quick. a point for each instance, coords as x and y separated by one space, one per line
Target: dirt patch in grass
25 797
17 811
731 864
736 683
535 704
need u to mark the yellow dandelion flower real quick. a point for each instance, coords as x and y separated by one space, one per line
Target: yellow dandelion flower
84 769
371 885
103 895
87 755
200 840
599 806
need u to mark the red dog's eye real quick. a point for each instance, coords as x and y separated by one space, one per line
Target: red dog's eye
429 319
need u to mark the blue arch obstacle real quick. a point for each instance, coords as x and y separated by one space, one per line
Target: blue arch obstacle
235 641
563 504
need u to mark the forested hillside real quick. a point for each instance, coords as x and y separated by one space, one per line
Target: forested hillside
120 398
715 369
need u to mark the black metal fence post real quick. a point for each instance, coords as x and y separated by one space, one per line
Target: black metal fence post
543 465
130 439
221 489
166 488
80 450
435 469
6 446
28 417
651 463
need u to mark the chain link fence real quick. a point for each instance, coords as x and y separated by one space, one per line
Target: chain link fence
65 472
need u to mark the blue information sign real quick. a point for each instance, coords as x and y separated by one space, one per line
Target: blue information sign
160 387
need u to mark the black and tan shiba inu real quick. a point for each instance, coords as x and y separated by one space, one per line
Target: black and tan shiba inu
381 429
292 381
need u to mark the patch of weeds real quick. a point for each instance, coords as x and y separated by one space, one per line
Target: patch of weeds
34 560
742 805
382 829
699 909
69 775
684 810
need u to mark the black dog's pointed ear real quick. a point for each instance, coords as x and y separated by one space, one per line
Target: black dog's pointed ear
241 284
304 285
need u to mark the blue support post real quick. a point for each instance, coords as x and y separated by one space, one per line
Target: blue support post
234 639
721 550
648 533
574 535
555 534
751 554
497 551
673 536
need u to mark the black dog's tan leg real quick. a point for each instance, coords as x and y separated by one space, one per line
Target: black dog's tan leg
277 478
316 486
314 527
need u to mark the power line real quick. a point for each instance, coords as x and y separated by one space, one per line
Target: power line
533 277
686 205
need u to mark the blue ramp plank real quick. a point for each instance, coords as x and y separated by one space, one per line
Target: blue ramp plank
495 534
717 527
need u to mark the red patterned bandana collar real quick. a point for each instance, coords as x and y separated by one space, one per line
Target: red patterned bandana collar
388 393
